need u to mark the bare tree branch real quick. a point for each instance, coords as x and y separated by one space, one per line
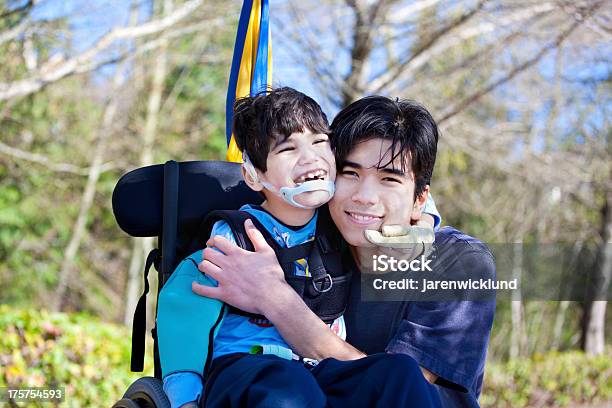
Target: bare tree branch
15 31
45 161
461 35
154 44
363 40
518 69
49 73
318 63
410 10
390 76
21 9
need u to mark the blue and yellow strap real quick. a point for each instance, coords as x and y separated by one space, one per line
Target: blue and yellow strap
251 71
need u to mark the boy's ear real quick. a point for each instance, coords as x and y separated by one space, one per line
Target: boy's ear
419 204
252 182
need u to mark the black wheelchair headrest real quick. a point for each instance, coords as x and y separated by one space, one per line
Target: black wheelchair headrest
203 186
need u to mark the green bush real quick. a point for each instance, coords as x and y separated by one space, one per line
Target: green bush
549 380
76 351
91 360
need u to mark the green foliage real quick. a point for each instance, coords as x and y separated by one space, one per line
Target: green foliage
76 351
91 359
549 380
38 206
61 125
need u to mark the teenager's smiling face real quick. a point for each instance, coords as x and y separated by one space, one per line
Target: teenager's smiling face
372 190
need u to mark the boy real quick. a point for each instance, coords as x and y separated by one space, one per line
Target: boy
287 156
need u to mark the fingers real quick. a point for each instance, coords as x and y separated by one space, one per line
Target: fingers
258 241
424 224
378 239
398 236
222 244
409 233
394 230
422 234
208 291
426 220
214 256
373 236
211 270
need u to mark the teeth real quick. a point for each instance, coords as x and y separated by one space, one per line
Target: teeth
311 175
362 217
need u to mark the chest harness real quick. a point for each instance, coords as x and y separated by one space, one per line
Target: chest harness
325 291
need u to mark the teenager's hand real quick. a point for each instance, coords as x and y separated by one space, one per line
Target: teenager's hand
402 242
400 236
246 280
426 221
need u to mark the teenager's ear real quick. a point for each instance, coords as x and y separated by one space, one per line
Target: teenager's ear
252 182
419 204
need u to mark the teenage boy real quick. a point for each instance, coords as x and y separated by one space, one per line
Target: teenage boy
385 151
287 156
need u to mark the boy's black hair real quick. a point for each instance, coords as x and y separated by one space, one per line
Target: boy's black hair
407 124
273 116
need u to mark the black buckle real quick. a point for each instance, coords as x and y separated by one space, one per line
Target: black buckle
321 282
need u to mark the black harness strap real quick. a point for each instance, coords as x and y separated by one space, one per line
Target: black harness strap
290 255
321 280
139 325
325 291
170 220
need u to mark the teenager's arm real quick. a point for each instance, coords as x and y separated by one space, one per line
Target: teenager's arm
254 282
266 292
304 331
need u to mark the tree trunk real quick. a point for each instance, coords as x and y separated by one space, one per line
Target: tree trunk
136 259
142 246
559 322
80 225
363 40
517 306
595 315
133 282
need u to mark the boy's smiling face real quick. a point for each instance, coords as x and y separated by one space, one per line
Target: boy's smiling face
301 157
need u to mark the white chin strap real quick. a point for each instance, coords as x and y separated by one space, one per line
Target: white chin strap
288 193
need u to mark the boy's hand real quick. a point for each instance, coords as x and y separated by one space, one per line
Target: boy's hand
247 280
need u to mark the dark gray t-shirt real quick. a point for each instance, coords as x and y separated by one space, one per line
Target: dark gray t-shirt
448 338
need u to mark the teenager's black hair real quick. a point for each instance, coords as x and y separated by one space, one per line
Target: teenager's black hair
407 124
273 116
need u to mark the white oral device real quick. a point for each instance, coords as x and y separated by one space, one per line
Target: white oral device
288 193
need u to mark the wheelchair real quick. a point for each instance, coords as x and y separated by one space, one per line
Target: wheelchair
169 201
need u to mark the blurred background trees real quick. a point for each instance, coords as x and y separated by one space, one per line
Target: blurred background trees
89 91
521 90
